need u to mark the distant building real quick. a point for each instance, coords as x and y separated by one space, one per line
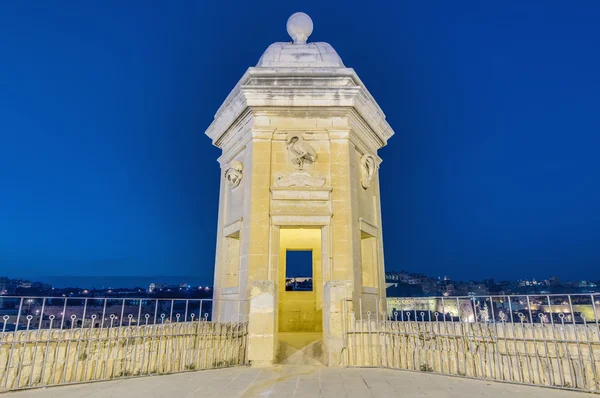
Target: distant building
583 286
453 288
299 284
477 289
532 282
4 286
554 281
23 284
392 278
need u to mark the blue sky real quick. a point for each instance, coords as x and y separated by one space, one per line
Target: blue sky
493 171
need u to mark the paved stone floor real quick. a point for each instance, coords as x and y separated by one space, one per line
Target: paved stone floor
297 381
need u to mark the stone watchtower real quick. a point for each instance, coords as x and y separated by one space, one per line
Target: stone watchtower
299 135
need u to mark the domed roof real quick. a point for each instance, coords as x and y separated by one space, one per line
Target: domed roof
299 53
289 55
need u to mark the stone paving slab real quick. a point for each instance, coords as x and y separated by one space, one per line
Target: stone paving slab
296 381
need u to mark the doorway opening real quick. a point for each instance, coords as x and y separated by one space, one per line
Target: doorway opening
300 307
300 290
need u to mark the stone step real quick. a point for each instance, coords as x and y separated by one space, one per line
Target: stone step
301 349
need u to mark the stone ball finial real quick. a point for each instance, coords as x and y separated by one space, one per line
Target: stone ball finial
299 27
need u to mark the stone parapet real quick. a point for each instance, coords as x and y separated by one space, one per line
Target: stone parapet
556 355
38 358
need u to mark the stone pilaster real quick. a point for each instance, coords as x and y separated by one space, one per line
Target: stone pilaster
257 230
262 341
335 294
343 246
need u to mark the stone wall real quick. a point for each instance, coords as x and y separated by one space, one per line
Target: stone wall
48 357
542 354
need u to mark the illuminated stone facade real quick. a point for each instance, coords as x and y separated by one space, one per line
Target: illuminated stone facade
299 135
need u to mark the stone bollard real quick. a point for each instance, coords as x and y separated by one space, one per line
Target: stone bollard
262 339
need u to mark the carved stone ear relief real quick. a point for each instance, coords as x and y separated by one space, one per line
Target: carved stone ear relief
234 175
301 153
368 166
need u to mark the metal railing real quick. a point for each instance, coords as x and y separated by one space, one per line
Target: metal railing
61 340
546 340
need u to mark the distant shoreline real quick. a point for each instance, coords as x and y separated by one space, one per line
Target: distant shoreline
115 282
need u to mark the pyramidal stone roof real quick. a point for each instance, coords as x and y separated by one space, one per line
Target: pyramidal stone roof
299 53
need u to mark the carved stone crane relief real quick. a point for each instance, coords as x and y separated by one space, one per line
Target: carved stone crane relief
300 151
367 170
234 175
301 154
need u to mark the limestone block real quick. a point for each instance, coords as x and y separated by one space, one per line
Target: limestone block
261 348
335 293
261 324
261 327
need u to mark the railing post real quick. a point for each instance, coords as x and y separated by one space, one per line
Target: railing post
262 333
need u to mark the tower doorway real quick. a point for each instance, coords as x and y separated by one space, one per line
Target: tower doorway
300 280
300 313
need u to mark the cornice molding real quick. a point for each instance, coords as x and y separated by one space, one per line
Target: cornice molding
302 87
